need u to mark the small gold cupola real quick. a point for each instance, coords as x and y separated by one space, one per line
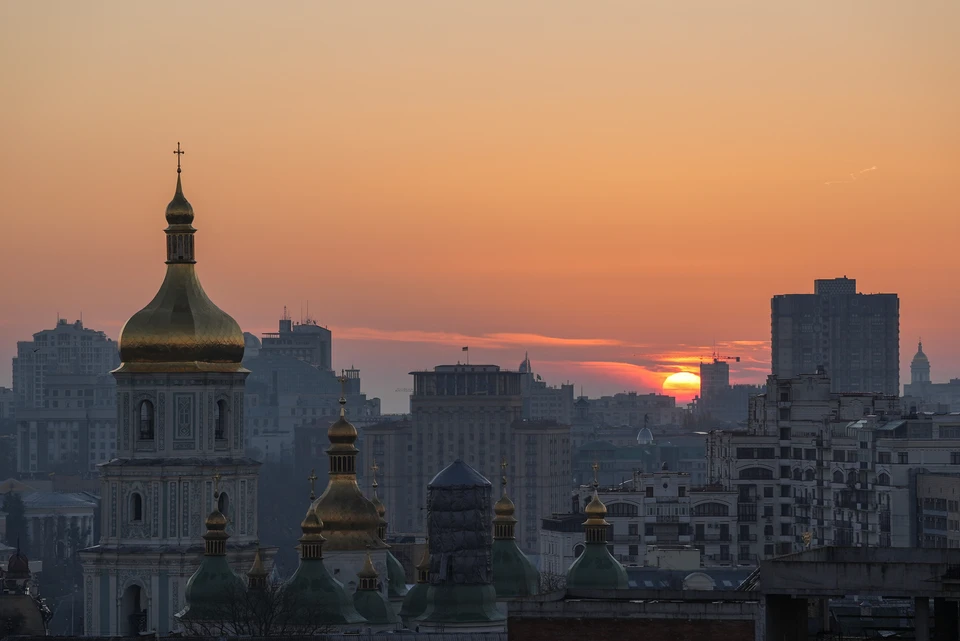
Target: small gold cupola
504 521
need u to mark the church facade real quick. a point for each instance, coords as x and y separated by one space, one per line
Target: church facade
180 392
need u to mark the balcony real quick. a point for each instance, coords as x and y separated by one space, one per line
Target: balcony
708 537
668 518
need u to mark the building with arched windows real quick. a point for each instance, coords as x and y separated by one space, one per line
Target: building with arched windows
180 399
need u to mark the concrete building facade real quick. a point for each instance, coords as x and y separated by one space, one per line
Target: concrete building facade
473 413
854 337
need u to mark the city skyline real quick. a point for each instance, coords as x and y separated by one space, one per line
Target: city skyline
421 186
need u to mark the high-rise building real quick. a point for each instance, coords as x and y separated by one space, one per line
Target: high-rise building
180 445
306 341
66 414
854 337
473 413
69 349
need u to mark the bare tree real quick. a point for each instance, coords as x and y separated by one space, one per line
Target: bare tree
550 582
270 610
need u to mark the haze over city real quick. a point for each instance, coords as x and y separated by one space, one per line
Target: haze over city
616 188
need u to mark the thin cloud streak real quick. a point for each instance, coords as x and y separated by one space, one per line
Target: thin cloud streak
501 340
853 177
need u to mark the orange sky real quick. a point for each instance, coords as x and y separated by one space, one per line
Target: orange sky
645 174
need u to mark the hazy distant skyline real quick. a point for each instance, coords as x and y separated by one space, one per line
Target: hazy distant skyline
646 175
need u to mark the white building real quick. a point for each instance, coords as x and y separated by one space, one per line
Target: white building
657 511
815 468
180 390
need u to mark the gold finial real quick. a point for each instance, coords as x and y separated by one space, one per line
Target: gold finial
596 468
179 153
375 468
216 485
313 479
503 471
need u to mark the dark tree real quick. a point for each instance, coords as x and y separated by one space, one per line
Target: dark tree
16 522
266 612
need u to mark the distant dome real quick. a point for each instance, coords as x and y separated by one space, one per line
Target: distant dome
645 437
18 566
251 342
920 358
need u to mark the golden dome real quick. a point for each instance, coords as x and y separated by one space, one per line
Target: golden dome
504 507
342 432
368 571
312 525
179 211
181 330
351 520
596 511
216 521
257 570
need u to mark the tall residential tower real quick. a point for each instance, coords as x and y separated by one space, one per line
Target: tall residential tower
854 337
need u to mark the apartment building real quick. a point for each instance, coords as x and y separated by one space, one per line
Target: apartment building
653 511
473 413
818 468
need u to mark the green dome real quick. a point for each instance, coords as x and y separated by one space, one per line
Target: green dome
415 603
396 577
373 607
463 603
211 587
319 596
514 575
596 569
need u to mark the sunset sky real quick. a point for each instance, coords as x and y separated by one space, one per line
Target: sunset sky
614 186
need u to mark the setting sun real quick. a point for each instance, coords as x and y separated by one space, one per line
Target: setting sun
683 385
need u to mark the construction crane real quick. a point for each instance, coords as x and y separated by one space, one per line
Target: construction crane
716 357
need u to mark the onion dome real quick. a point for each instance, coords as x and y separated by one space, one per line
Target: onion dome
351 521
18 566
257 576
214 585
596 568
316 597
181 329
514 575
415 602
369 601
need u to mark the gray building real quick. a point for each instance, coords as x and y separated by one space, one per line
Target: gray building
473 413
65 400
854 337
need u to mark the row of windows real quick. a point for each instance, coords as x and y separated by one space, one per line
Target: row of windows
148 420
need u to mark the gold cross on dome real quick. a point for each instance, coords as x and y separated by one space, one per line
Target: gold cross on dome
503 472
216 484
375 468
596 468
313 479
179 153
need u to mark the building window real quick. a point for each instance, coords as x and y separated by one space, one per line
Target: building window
903 458
634 550
883 479
136 507
220 420
837 476
146 421
954 458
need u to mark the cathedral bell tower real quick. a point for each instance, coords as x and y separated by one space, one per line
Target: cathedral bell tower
180 391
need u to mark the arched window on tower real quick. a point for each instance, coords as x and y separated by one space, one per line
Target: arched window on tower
220 420
136 507
146 421
837 476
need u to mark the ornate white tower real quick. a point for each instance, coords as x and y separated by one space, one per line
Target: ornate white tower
180 421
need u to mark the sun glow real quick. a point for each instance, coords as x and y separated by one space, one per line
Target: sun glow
683 385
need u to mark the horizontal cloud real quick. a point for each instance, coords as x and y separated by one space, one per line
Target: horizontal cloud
486 341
